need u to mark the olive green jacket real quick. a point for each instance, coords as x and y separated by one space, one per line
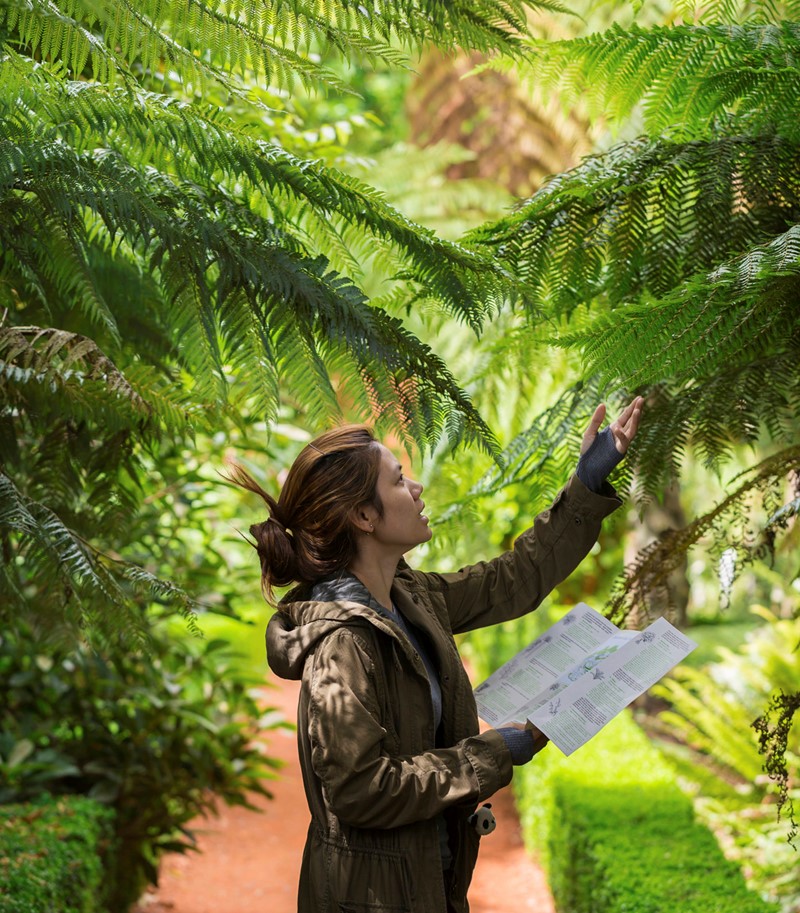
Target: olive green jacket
374 778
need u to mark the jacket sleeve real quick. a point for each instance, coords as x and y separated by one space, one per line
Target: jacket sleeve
517 581
363 785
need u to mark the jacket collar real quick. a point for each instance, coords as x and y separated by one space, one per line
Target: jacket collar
344 587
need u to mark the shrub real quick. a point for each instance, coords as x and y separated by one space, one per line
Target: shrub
717 751
616 834
156 735
50 855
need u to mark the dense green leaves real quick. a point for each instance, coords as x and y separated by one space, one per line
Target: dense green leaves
174 260
652 213
686 76
672 260
157 736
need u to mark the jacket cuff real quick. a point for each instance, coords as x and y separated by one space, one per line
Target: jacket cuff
590 503
491 760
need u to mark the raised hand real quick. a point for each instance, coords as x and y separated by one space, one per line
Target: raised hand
622 431
602 450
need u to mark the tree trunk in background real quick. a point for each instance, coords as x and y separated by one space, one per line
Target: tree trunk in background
672 599
516 142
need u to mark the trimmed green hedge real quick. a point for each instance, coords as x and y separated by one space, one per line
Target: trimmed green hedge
50 855
616 834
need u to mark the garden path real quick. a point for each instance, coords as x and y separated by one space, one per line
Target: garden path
248 862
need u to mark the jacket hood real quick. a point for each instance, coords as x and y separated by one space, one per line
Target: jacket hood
307 615
297 627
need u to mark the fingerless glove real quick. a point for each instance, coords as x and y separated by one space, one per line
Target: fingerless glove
520 743
595 465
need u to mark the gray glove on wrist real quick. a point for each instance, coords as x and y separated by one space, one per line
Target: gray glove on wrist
598 461
520 743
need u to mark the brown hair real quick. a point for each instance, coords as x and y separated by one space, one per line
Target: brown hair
309 532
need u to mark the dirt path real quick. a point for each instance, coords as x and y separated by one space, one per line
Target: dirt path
250 862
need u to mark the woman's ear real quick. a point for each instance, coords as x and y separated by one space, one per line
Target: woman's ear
363 518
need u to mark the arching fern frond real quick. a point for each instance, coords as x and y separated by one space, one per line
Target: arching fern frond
746 307
544 455
203 260
684 76
715 414
641 218
192 142
737 11
53 370
732 526
277 42
74 571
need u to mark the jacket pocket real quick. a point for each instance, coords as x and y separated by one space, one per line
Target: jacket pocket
368 880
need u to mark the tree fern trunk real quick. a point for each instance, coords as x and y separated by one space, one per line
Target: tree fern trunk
516 142
670 599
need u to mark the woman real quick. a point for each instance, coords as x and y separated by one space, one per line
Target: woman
393 762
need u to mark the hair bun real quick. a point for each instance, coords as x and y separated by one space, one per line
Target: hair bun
277 522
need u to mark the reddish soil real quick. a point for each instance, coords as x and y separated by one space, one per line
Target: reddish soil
249 862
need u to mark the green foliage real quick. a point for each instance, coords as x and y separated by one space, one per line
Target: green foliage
670 262
158 736
744 525
616 833
710 714
178 256
741 67
51 853
774 728
212 42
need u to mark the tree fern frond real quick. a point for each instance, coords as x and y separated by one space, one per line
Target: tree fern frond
207 45
736 12
84 573
65 375
325 306
249 354
73 368
206 42
42 531
730 526
469 283
640 218
542 456
714 414
52 256
186 239
743 309
43 26
684 75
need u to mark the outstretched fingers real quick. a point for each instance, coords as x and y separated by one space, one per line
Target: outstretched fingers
625 427
593 427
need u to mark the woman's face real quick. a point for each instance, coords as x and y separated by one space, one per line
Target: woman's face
403 525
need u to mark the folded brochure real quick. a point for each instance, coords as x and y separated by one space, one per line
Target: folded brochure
579 674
